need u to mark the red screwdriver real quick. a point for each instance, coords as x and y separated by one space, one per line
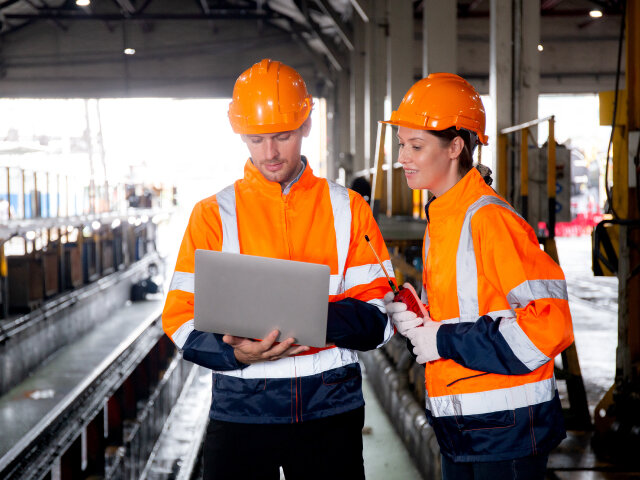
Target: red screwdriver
406 295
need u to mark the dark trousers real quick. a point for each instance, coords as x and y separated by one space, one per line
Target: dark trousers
318 449
526 468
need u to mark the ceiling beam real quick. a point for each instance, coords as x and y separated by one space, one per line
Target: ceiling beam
332 53
344 31
362 7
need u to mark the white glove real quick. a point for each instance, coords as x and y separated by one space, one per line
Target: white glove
425 345
402 319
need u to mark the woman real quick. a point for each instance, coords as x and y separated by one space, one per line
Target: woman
498 304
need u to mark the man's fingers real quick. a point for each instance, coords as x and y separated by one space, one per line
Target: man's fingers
296 350
269 340
231 340
281 348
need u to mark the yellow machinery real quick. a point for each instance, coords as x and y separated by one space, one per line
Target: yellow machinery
617 416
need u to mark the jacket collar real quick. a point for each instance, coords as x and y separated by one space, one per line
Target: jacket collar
457 198
255 179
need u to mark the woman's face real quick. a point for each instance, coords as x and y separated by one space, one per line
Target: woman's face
428 162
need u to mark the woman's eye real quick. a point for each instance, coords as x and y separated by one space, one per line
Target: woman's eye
400 145
416 148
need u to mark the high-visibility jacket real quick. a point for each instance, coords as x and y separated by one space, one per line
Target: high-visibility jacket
504 310
317 221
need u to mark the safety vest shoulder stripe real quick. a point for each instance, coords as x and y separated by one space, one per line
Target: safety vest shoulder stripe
364 274
182 281
521 344
466 269
490 401
341 207
531 290
227 206
300 366
180 336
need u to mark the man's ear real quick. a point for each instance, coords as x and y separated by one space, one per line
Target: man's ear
306 127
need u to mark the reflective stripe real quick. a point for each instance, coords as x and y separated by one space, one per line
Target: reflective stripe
301 366
466 268
227 206
336 282
341 207
378 302
364 274
180 336
182 281
531 290
388 333
492 400
501 314
494 315
423 296
521 344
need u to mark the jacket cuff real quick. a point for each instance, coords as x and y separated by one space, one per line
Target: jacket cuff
443 340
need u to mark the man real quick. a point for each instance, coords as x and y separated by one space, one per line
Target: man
284 405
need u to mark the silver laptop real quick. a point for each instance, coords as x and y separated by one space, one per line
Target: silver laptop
249 296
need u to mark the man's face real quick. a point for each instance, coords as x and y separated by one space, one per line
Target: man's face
277 155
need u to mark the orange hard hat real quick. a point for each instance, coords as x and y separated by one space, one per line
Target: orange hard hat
441 101
269 97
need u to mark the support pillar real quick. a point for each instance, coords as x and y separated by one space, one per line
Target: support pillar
357 87
500 79
439 37
400 79
375 75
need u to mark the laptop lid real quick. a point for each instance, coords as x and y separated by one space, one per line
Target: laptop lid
250 296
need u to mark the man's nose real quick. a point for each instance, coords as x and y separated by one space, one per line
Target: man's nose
271 149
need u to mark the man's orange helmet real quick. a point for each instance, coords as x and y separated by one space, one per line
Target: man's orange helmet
441 101
269 97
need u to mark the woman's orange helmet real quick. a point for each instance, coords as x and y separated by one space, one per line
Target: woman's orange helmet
441 101
269 97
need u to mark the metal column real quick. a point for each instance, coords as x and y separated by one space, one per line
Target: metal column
439 36
400 78
500 79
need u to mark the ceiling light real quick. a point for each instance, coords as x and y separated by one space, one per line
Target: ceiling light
595 13
83 3
540 47
129 51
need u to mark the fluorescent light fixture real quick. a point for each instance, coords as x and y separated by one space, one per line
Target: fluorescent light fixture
129 51
540 47
83 3
595 13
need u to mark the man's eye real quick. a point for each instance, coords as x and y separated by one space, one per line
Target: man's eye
400 145
284 138
416 148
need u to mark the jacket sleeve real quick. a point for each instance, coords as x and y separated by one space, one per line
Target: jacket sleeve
358 320
535 324
207 349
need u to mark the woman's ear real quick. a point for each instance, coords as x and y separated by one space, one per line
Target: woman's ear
455 147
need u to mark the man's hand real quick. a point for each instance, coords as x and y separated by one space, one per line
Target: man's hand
249 351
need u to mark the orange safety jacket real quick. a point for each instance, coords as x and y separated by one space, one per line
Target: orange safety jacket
317 221
504 310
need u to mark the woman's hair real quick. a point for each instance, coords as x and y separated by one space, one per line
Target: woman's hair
465 160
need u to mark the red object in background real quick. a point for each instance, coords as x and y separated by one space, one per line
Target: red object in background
583 224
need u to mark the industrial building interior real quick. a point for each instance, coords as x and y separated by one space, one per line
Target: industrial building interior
113 122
